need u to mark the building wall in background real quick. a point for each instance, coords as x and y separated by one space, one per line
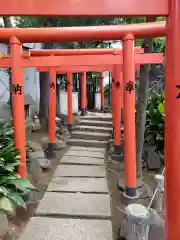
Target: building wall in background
31 85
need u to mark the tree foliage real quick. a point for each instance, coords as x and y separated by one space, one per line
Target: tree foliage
68 22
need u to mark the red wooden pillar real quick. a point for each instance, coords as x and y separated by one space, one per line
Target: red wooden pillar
117 109
129 115
102 90
172 123
83 94
69 99
52 114
113 97
18 103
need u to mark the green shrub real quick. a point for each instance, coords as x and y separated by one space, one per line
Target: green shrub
154 132
12 187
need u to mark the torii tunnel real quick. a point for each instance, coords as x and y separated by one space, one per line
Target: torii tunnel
114 8
48 60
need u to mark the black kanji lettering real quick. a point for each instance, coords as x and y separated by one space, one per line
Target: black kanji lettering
178 86
130 86
17 89
117 84
52 85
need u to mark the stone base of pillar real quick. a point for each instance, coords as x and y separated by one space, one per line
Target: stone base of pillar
118 150
51 150
83 112
131 193
69 127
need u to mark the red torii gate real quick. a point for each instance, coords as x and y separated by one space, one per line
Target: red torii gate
85 8
57 61
169 8
20 62
117 91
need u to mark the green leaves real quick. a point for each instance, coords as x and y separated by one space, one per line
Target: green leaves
161 108
6 205
22 184
12 187
16 199
154 131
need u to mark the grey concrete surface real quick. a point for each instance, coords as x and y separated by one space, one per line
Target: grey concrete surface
86 143
90 135
76 148
75 204
95 123
85 153
97 118
75 184
82 160
41 228
79 171
93 128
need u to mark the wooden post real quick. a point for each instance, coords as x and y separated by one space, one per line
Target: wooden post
172 123
69 99
117 109
102 90
129 115
52 114
18 103
83 94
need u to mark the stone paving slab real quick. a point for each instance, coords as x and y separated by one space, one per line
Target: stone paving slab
93 128
75 204
85 153
82 160
42 228
86 143
74 184
79 171
102 150
97 118
90 135
95 123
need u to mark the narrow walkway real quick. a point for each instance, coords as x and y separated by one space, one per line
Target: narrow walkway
76 205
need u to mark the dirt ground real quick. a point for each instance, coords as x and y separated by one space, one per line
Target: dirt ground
113 170
18 223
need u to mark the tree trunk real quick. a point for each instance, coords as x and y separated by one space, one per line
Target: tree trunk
44 94
7 22
142 94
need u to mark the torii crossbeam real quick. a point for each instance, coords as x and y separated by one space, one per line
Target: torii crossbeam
84 8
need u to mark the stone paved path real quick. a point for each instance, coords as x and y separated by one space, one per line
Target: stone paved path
76 205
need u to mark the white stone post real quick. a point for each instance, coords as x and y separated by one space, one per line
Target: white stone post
137 222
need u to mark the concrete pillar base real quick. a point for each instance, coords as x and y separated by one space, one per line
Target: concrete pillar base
51 150
70 127
83 112
118 150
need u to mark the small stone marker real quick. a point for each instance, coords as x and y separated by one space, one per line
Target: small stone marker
40 158
59 143
35 146
137 222
36 123
35 169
